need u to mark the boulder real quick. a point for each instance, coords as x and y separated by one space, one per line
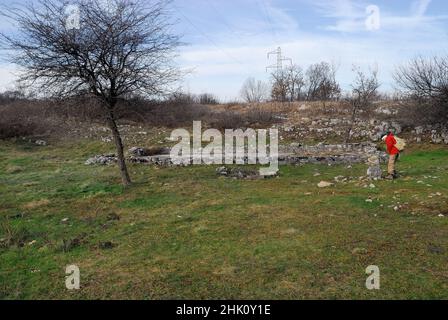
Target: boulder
324 184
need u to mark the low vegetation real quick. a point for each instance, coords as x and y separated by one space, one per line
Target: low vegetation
187 233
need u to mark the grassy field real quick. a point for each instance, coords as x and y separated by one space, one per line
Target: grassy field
186 233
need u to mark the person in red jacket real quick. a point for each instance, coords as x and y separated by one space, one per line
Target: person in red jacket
393 152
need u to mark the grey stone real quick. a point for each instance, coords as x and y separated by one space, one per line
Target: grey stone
41 143
102 160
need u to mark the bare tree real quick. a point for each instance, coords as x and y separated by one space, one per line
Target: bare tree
425 82
321 82
116 51
296 82
254 91
280 85
207 98
364 91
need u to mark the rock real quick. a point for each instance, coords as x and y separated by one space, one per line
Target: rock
106 139
419 130
324 184
41 143
70 244
435 249
369 200
113 217
239 173
374 172
102 160
222 171
106 245
139 152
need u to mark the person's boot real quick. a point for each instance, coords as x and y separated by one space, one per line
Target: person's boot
390 177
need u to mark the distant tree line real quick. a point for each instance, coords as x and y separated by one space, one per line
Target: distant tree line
293 84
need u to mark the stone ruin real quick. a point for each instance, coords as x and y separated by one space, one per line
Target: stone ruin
293 154
329 154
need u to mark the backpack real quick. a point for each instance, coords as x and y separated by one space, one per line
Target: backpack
401 144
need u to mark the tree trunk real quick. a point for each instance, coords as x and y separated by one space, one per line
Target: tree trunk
352 123
126 180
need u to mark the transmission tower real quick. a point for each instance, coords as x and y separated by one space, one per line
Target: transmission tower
280 59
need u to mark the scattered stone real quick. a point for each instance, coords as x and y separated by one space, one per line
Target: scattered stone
106 245
70 244
106 139
324 184
41 143
139 152
222 171
102 160
435 249
369 200
65 220
238 173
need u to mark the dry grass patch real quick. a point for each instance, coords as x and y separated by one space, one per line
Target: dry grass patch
36 204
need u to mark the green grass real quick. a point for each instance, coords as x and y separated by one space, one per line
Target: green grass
186 233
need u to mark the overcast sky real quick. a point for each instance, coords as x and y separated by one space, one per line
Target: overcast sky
228 40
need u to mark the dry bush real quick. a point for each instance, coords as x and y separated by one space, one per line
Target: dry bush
253 117
24 118
414 113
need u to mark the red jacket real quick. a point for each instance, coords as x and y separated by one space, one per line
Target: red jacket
390 143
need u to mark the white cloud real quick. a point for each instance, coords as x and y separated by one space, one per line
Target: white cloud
7 77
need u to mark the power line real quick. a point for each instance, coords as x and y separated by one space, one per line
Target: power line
218 13
268 19
205 35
